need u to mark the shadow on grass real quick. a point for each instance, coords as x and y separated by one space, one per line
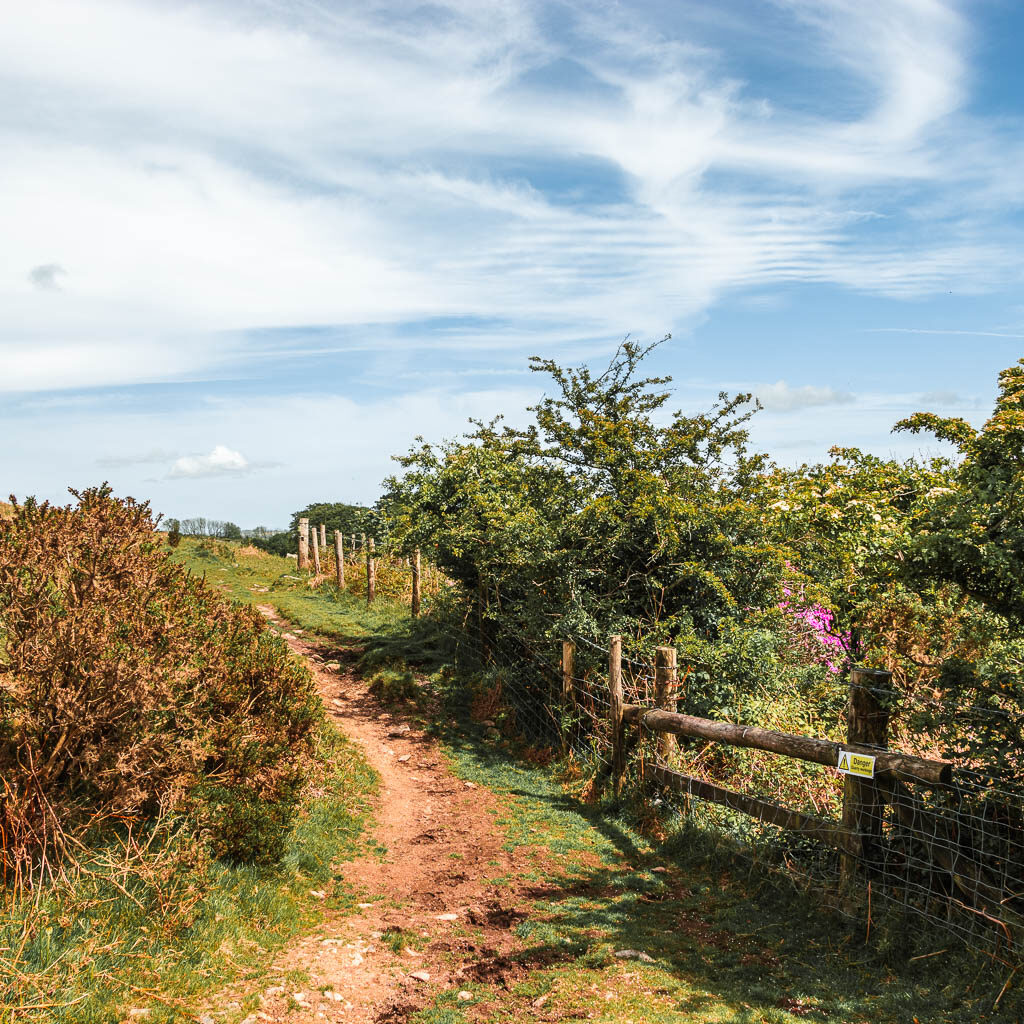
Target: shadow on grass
720 930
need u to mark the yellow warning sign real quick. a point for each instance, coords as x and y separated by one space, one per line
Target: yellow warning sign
856 764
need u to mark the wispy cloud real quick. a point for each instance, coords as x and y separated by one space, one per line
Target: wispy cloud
943 331
781 397
342 165
945 399
156 455
46 276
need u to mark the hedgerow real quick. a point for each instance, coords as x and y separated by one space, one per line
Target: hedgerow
609 515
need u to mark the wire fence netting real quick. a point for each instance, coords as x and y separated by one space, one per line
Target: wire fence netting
951 854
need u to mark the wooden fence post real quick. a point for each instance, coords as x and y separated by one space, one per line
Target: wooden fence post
303 543
316 552
416 583
323 538
666 679
615 726
339 557
371 573
867 722
362 540
352 546
568 658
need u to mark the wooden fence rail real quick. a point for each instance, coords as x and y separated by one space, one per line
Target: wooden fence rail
804 748
827 832
857 836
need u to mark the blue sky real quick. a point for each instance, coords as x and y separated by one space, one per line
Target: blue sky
250 250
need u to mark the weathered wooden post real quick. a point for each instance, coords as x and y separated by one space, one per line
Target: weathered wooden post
615 726
568 658
323 538
416 583
303 543
867 722
316 552
362 540
666 679
371 573
339 557
352 546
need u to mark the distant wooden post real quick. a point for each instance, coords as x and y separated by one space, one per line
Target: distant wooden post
303 543
316 552
615 726
323 538
352 546
371 573
339 557
415 583
568 658
867 722
362 540
666 678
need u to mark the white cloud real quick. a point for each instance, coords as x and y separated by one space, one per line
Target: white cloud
944 399
222 461
213 168
781 397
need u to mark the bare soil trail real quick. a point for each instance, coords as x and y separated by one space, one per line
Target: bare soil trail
430 886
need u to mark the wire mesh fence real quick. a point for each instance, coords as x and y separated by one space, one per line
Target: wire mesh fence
951 853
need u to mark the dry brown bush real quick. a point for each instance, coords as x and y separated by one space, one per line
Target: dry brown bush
130 692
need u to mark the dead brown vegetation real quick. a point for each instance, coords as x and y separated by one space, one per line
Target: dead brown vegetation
131 693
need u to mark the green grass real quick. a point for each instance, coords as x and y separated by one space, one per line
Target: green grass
730 944
89 951
327 610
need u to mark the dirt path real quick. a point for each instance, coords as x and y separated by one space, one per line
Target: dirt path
441 844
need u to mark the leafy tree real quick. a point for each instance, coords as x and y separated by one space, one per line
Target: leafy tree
972 532
600 516
231 531
340 516
279 544
845 527
173 532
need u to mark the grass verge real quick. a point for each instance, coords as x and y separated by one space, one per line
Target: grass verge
721 942
261 578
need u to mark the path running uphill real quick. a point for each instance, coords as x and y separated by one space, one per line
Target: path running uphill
441 843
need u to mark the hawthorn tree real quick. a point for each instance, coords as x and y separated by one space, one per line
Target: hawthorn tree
603 515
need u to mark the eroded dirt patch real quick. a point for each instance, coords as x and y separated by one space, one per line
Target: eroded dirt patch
429 918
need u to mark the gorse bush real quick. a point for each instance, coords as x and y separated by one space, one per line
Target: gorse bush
131 693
